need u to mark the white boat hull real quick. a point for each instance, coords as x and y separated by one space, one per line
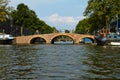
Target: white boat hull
115 43
6 39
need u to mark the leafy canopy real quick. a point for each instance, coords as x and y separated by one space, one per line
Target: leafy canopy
99 14
27 18
104 9
3 10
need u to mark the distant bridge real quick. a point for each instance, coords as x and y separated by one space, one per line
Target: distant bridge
49 38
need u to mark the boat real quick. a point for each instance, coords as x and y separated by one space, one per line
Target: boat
108 39
6 38
115 43
110 35
100 40
113 39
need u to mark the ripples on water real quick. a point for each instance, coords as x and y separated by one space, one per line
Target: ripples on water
59 62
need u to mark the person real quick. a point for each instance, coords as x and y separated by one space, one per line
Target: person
37 32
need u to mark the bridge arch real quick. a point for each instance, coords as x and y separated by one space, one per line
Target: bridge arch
37 39
57 35
85 38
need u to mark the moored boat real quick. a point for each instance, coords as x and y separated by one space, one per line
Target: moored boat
6 38
110 35
108 39
100 40
100 37
113 39
115 43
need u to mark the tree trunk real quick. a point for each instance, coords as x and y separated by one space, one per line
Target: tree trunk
107 26
21 33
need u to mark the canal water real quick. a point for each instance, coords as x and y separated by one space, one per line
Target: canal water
59 62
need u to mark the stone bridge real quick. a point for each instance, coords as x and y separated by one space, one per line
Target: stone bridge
50 37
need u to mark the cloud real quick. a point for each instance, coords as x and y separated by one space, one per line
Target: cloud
56 19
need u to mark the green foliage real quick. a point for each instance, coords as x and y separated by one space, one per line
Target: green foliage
55 30
104 10
3 10
22 16
67 31
82 27
46 29
89 25
27 18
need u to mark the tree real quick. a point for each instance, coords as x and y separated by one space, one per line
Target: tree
67 31
105 10
82 27
55 30
27 18
20 16
3 10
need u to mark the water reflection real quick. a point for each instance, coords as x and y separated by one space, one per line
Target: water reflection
16 62
59 62
103 63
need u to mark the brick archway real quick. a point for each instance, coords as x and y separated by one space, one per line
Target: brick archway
86 37
62 35
37 36
37 40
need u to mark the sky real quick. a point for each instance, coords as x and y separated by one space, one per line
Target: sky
62 14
